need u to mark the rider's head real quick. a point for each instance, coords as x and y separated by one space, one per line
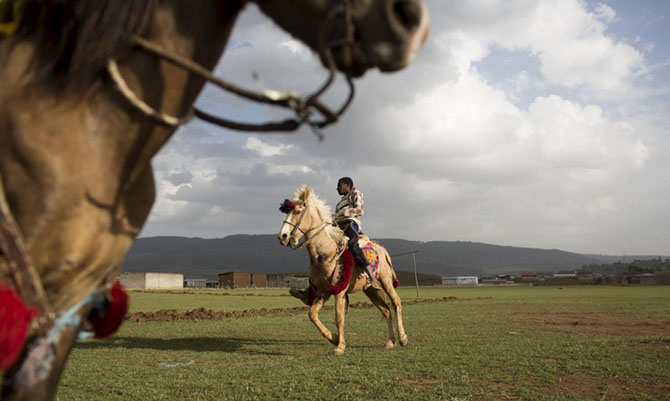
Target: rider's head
344 185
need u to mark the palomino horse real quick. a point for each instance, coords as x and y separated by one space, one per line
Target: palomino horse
77 136
308 218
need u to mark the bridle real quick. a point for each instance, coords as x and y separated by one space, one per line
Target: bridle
296 227
303 107
18 264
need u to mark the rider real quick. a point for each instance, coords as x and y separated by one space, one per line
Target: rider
347 216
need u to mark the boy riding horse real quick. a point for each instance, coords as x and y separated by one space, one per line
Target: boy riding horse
347 216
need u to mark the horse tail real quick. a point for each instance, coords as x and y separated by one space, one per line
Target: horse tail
386 256
396 282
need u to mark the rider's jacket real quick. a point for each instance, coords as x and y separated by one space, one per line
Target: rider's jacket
350 207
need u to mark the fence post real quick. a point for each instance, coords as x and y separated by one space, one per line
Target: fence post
416 279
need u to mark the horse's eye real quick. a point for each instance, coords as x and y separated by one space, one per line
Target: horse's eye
297 211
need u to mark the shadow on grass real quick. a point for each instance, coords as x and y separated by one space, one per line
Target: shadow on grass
247 346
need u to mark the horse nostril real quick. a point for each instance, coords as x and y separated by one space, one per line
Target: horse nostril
408 13
283 236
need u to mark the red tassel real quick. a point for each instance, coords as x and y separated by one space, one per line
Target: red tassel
347 266
396 283
14 320
112 317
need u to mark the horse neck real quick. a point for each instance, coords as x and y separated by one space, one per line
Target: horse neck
321 248
198 33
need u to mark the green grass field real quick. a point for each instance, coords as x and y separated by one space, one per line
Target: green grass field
530 343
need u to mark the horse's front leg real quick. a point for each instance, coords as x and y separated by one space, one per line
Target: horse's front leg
314 317
340 311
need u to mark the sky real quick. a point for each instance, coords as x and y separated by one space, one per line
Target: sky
532 123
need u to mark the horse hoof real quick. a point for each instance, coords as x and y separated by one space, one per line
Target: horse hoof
389 344
403 340
338 351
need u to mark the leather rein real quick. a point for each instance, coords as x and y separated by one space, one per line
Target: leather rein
303 107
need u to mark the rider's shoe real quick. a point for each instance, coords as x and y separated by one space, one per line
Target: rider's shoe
374 283
372 280
302 295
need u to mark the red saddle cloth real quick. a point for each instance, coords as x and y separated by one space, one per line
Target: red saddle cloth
344 267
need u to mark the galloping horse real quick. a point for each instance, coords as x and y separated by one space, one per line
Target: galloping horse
84 106
308 218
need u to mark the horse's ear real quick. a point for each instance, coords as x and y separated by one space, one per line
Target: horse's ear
305 194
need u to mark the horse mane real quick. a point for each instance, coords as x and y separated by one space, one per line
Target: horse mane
323 210
74 39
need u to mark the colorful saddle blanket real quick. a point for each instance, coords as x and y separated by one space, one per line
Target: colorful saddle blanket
370 253
345 264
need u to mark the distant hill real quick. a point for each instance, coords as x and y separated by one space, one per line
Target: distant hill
205 258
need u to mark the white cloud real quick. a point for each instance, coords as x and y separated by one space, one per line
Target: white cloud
605 13
264 149
522 82
288 169
569 39
581 136
298 49
466 128
527 157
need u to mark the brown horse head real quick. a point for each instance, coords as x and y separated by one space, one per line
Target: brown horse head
385 34
75 155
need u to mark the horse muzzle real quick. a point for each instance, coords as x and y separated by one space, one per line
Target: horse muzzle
393 44
283 239
287 240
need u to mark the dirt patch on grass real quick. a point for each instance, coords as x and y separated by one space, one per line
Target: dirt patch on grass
583 386
605 388
168 315
422 382
661 345
611 325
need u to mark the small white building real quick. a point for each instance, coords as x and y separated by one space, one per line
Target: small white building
460 280
152 281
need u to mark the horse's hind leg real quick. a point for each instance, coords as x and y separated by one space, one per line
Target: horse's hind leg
397 306
314 317
377 300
